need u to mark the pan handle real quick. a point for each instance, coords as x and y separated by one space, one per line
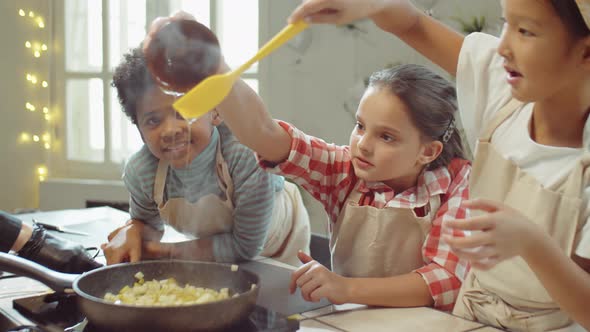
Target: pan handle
23 267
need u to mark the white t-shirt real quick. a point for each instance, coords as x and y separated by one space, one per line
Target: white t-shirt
481 92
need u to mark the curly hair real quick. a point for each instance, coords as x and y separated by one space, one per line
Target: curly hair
132 80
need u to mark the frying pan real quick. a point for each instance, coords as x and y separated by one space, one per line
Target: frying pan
91 287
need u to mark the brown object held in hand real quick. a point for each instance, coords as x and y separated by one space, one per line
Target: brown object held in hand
181 54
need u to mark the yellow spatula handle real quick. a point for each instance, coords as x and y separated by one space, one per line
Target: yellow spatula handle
279 39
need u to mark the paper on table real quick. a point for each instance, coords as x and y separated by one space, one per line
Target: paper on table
274 289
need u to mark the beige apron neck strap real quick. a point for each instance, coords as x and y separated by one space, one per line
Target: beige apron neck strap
223 177
160 182
505 112
579 177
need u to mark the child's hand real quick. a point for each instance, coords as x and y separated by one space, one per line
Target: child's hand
336 11
503 233
124 244
394 15
316 281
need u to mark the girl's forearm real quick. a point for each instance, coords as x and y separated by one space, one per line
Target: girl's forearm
407 290
246 116
434 40
566 282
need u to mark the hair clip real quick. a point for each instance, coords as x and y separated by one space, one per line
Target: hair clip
449 131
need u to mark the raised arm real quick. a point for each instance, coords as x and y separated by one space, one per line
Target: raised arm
434 40
246 116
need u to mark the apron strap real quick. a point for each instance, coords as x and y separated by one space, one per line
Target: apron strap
160 182
579 178
505 112
224 179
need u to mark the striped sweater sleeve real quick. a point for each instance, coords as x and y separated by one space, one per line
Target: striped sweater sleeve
324 170
138 178
254 191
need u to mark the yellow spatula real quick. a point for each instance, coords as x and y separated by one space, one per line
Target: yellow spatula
211 91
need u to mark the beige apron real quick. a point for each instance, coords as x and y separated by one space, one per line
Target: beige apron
371 242
288 232
509 295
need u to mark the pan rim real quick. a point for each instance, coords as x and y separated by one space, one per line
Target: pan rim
87 296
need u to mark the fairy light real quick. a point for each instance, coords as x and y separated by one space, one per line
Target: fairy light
24 137
37 49
42 172
46 138
32 78
40 22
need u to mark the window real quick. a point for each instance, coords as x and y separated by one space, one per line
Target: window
98 137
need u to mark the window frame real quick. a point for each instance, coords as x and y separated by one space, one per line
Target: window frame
59 165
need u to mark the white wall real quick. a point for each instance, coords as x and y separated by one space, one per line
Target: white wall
18 182
306 88
309 89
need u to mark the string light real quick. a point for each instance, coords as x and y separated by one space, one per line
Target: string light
40 22
37 49
24 137
32 78
44 139
42 172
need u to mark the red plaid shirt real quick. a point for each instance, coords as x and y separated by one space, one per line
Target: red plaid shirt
326 171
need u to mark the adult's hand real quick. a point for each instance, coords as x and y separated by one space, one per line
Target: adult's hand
57 253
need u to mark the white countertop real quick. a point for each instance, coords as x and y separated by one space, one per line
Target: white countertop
347 317
356 317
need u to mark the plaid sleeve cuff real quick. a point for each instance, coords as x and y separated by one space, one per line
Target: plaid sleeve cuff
296 163
443 286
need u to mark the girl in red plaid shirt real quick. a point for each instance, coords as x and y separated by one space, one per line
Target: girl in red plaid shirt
387 193
524 101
